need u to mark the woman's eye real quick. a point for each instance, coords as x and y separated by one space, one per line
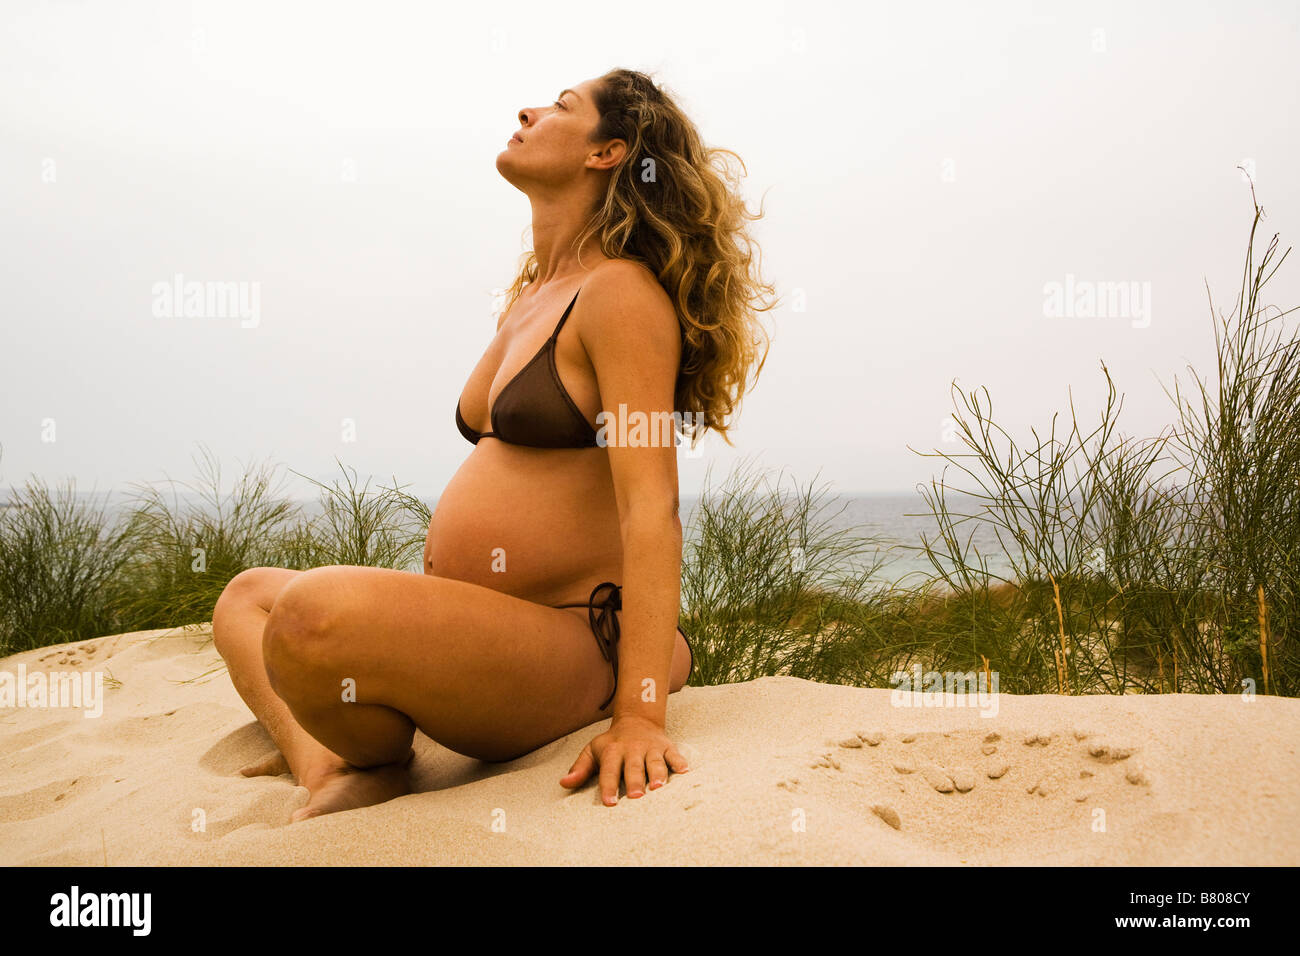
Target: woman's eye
559 104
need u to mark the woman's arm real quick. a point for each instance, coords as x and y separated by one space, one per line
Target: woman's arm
635 349
631 334
652 568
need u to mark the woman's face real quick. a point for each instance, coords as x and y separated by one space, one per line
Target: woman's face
552 145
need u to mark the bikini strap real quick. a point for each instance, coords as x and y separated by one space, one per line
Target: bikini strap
565 316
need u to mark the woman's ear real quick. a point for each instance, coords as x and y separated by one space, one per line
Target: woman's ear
610 156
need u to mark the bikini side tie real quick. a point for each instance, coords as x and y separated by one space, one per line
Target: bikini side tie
604 625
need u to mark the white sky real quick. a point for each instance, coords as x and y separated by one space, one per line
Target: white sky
215 140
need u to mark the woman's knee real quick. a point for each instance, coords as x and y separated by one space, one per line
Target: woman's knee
257 586
251 588
238 594
300 625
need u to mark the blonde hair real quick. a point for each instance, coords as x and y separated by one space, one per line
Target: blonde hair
670 208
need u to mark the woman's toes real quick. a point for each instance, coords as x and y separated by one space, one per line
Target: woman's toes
269 766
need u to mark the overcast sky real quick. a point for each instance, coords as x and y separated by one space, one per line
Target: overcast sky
927 171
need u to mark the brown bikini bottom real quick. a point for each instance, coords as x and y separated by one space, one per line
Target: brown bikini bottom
604 625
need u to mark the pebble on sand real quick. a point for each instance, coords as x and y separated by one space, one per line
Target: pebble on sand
1103 749
888 814
905 765
963 778
851 742
999 770
936 777
871 737
989 749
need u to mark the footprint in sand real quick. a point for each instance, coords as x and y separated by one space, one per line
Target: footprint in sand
953 762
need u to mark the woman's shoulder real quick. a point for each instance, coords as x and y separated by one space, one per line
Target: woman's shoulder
618 278
622 300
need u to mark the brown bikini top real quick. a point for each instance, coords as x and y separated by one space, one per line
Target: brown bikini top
534 409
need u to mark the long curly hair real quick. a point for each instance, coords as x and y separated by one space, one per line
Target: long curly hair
674 206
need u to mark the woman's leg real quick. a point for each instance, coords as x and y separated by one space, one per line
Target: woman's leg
363 656
238 625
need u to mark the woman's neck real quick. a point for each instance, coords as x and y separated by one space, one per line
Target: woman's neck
556 225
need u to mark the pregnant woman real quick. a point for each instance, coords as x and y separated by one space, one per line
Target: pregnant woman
551 585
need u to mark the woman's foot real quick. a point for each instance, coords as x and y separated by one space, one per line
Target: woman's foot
271 766
344 787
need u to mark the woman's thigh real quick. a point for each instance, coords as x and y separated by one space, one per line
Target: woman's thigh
483 673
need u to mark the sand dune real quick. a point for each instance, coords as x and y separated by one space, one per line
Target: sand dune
784 771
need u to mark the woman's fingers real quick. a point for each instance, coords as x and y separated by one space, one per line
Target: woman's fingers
676 760
611 767
656 770
580 770
625 763
634 773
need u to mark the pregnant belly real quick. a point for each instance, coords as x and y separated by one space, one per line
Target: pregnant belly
541 524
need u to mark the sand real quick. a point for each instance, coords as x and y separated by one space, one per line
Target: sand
784 771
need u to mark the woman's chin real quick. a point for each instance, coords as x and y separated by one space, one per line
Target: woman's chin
506 167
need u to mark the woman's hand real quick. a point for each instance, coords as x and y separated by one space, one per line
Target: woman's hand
633 748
